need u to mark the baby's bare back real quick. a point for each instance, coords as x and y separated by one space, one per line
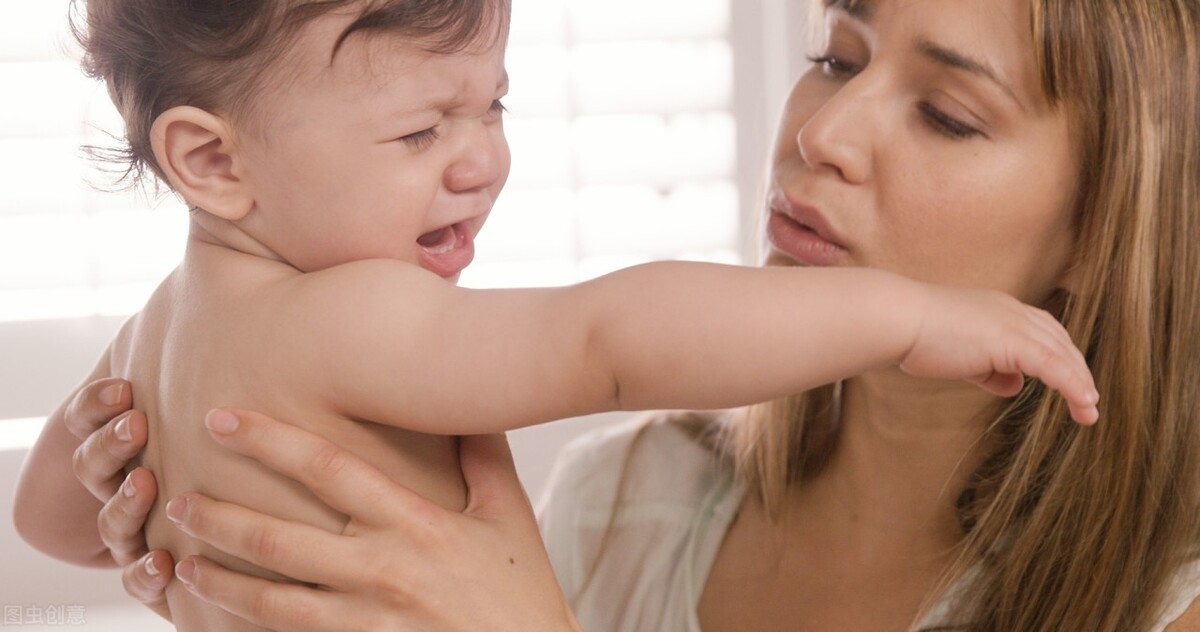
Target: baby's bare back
198 344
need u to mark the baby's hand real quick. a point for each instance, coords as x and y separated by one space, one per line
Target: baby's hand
993 340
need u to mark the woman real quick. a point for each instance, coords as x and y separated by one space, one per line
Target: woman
1047 149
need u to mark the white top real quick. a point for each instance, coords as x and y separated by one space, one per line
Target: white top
677 505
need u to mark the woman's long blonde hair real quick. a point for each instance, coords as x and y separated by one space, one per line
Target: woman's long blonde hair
1075 528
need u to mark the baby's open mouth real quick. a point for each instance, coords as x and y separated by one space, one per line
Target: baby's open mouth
447 250
440 240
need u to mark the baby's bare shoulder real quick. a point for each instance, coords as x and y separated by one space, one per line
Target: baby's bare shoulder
351 290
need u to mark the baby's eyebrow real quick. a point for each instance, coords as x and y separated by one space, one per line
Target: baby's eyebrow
961 61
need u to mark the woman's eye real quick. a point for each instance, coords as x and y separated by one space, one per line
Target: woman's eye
422 139
832 66
945 124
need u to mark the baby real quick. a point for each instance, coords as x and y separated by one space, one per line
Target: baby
339 159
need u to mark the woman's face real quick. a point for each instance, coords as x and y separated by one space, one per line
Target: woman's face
920 142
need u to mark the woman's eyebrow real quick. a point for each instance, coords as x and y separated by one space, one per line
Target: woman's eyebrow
961 61
860 11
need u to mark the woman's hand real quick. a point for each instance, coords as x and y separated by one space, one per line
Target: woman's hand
112 436
402 562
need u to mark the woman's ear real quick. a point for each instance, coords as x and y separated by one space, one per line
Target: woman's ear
196 153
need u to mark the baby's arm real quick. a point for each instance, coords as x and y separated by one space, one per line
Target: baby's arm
52 510
388 342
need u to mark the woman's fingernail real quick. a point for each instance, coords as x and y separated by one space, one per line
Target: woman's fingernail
221 421
186 572
151 567
122 430
111 395
177 509
128 489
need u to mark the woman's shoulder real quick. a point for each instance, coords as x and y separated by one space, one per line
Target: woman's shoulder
640 503
688 431
665 456
1181 610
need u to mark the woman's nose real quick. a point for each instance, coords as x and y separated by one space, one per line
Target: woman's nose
482 163
841 134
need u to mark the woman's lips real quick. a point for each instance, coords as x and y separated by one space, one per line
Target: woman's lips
447 250
802 243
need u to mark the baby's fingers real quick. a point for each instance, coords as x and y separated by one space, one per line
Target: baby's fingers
1066 373
1002 384
1085 414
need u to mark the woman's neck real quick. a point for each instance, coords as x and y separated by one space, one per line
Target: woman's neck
905 450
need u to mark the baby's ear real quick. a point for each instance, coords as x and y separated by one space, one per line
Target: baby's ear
196 152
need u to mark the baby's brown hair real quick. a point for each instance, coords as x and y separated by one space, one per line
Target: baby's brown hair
157 54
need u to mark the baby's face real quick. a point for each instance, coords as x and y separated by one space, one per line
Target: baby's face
388 152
